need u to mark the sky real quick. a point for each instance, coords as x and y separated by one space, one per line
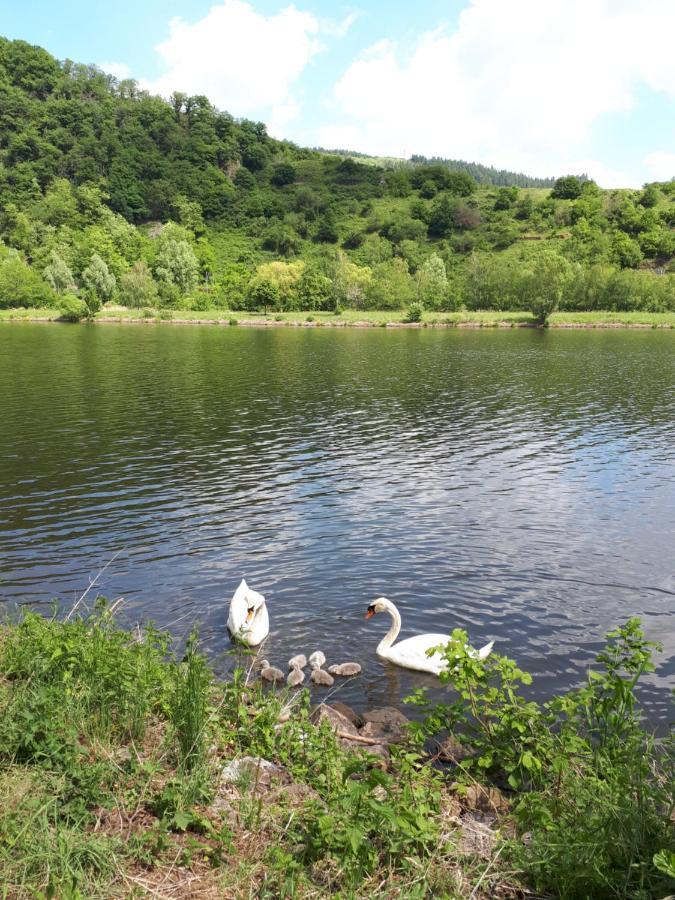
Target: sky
546 87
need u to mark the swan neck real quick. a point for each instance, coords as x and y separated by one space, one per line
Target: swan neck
392 634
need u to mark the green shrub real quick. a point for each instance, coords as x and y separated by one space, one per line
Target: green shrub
596 788
415 313
72 308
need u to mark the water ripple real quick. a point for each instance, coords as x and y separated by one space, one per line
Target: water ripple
519 485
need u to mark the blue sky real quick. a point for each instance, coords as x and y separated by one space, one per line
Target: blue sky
542 86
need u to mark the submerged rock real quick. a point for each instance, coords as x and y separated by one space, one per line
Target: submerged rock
336 720
383 733
348 713
386 715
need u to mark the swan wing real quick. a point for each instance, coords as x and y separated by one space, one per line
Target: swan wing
485 651
259 628
238 608
412 653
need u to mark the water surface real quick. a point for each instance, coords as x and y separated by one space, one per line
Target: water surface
519 484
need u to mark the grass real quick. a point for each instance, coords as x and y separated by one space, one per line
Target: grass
112 747
352 317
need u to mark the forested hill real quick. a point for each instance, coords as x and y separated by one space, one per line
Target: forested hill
64 120
488 174
481 174
109 194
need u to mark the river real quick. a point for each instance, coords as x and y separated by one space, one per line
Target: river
519 484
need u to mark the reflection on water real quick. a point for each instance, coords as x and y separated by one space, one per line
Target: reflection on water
517 484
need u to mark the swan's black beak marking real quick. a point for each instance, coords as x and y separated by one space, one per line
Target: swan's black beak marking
370 612
250 614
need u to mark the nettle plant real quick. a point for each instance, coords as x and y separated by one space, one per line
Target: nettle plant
524 742
595 788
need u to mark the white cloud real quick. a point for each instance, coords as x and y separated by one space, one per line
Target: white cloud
518 84
119 70
243 61
661 165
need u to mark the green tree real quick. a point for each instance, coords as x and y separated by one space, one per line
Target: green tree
283 173
566 188
280 238
22 286
625 251
189 214
57 274
461 184
432 283
262 293
391 286
649 196
99 282
544 284
176 264
315 291
441 217
137 287
327 230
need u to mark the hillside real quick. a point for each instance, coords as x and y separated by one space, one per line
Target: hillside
481 174
108 193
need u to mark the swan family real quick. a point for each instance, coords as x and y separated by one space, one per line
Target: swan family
248 621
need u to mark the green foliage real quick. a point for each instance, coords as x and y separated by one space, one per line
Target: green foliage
432 283
263 293
175 264
544 283
73 308
189 708
22 286
102 728
566 188
86 159
415 312
99 282
596 788
283 173
57 274
137 287
391 286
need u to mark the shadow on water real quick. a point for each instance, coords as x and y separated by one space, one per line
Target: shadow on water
517 484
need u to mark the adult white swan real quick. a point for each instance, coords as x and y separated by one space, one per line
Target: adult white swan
248 620
412 653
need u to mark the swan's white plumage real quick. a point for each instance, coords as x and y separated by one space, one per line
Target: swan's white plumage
248 619
412 652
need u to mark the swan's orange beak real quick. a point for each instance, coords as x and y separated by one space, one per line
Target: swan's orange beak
370 613
250 614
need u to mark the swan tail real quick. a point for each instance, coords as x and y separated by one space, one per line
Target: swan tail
485 651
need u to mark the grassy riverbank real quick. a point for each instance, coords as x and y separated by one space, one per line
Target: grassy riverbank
358 318
117 779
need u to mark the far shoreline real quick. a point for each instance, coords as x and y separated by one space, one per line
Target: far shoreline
355 319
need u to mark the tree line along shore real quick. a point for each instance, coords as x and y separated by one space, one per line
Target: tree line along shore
111 195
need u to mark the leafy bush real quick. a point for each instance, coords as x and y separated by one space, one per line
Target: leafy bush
72 308
22 286
415 313
596 788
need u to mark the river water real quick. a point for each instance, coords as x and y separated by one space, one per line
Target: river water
519 484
